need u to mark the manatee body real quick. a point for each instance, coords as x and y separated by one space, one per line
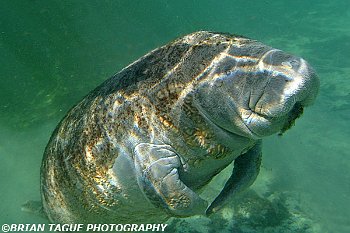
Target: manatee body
139 147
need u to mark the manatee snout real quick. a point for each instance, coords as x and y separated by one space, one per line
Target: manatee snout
290 80
290 85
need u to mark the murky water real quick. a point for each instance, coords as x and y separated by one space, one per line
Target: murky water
55 52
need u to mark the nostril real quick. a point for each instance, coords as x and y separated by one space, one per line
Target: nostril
292 64
287 64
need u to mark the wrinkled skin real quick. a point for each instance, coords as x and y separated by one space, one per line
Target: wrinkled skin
139 147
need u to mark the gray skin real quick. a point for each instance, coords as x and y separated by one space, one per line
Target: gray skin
138 148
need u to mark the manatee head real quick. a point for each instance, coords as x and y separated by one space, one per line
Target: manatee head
254 90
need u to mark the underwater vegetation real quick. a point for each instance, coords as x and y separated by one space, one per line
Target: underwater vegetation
250 212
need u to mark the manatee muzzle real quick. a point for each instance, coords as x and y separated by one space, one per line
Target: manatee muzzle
289 80
290 85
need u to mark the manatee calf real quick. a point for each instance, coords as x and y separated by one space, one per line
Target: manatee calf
139 147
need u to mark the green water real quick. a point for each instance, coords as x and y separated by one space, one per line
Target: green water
54 52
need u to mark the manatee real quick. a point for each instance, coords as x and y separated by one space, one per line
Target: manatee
139 147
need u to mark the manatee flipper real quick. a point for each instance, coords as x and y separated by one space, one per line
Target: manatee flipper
246 169
158 177
34 207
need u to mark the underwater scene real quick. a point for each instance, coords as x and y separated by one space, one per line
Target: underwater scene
53 53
